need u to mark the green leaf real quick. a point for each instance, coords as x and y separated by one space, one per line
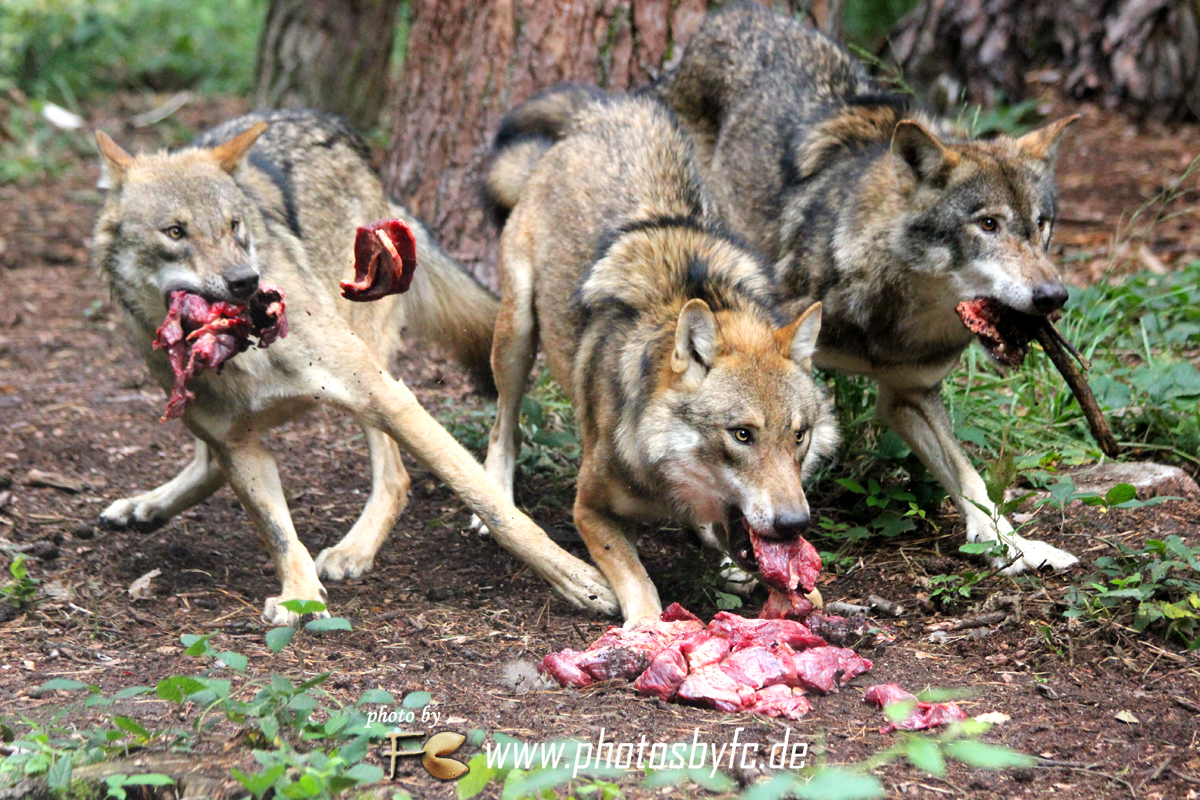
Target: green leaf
924 754
149 779
196 645
987 756
328 624
727 601
478 776
58 777
303 607
1121 493
832 783
270 728
416 700
133 691
376 697
178 688
235 661
258 784
1000 475
780 786
66 685
851 484
365 774
131 726
278 638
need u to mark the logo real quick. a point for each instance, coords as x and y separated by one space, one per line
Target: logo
433 753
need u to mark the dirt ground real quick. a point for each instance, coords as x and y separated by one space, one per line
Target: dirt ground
445 609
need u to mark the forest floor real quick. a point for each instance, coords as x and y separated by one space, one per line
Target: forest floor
444 610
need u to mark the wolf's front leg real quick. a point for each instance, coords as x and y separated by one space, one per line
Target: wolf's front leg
199 479
920 418
254 477
355 553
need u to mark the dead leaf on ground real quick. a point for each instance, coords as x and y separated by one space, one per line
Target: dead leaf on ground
140 589
53 480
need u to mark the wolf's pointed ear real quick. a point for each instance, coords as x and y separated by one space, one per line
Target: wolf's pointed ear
229 154
923 152
1043 143
113 162
695 340
799 340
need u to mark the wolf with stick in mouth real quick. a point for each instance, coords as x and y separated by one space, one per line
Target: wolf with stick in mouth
886 219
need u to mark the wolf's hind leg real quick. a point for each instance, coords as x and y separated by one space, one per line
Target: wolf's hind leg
195 482
514 348
254 477
355 553
920 418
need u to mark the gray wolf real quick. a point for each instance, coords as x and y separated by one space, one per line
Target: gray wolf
880 214
283 205
694 400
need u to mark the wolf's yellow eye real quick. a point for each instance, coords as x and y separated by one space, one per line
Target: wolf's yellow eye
1041 223
989 224
175 232
742 435
801 436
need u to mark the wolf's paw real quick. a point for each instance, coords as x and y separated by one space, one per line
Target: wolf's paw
735 579
278 616
132 512
336 564
585 587
1034 555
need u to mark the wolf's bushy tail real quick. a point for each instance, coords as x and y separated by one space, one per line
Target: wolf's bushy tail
448 307
525 133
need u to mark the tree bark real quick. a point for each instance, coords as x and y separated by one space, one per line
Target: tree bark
327 54
469 62
1142 54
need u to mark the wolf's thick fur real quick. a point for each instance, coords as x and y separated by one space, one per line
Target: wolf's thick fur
693 400
284 205
877 213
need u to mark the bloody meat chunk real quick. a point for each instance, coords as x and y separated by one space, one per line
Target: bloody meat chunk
619 653
665 674
563 666
197 335
922 715
825 669
385 258
762 666
712 686
703 648
790 569
742 632
1004 332
781 701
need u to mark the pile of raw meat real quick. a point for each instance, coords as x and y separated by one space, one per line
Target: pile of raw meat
198 335
385 258
732 664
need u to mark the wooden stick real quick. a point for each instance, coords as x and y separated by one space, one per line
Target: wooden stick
1053 343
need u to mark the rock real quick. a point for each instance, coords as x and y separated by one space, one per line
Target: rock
1150 479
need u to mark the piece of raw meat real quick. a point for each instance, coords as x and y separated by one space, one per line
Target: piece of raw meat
197 335
781 701
790 568
825 669
385 258
733 664
1004 332
922 715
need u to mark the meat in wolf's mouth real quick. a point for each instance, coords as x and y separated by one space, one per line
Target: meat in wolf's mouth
1004 332
789 567
199 335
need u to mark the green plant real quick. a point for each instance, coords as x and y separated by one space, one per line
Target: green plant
1155 586
21 588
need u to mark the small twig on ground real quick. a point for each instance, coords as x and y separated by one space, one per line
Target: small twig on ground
886 606
1088 769
845 609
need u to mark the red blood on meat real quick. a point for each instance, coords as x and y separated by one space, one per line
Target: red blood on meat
704 648
712 686
922 715
665 674
563 666
742 632
762 666
790 568
385 258
786 606
677 613
197 335
781 701
1004 332
817 669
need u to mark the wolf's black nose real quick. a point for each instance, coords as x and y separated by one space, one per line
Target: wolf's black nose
242 281
789 526
1049 297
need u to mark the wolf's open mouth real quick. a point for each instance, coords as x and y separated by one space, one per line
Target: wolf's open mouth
1004 332
741 549
789 567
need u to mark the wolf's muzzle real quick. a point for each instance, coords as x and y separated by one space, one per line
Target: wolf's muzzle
242 281
1048 297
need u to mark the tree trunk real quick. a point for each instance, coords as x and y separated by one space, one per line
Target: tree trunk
469 62
327 54
1143 54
